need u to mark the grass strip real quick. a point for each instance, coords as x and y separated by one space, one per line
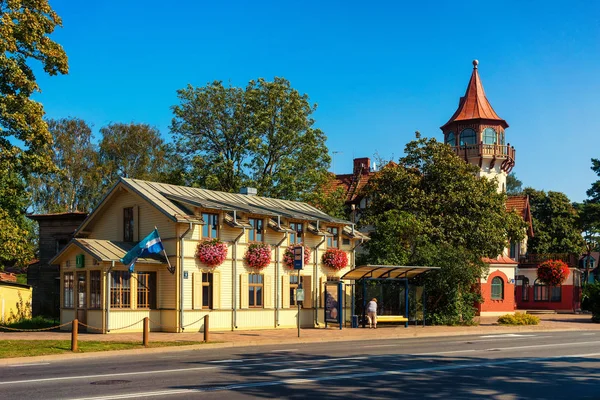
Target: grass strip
30 348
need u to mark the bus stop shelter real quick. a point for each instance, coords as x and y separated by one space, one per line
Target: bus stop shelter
387 273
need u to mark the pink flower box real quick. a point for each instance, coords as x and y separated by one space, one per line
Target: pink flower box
211 252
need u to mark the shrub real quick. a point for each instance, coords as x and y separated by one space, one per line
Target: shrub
553 272
518 319
591 300
335 259
211 252
37 322
258 255
288 255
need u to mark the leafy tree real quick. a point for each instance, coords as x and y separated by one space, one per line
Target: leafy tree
513 185
330 202
260 136
432 210
24 36
589 217
136 151
555 222
76 183
594 192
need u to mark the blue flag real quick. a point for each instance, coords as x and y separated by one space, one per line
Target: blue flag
151 244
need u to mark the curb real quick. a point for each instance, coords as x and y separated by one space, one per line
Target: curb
233 344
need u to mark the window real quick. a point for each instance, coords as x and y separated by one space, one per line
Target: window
81 290
296 236
555 293
120 289
255 234
95 289
468 136
489 136
60 244
514 250
293 287
346 242
451 139
525 289
255 290
68 290
146 290
128 224
540 291
207 290
497 288
210 229
502 138
333 241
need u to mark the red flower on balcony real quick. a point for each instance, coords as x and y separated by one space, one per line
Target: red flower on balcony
258 255
211 252
335 259
553 272
288 255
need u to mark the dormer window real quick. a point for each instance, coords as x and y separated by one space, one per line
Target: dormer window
451 139
210 230
489 136
468 136
255 234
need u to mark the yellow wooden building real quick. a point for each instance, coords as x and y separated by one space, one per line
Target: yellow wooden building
15 302
98 290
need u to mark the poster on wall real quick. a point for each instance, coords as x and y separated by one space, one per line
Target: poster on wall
332 303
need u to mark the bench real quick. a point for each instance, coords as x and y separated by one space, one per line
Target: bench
391 318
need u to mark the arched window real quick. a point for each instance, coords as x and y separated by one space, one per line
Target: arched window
489 136
468 136
497 288
525 288
451 140
501 138
540 291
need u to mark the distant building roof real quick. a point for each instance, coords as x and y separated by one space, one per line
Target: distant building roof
73 214
353 184
474 104
499 260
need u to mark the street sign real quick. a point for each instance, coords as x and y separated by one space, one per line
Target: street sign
299 294
299 257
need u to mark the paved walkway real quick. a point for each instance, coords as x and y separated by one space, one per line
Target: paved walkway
487 325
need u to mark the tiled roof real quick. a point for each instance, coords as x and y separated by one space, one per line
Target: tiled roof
499 260
474 104
520 204
352 186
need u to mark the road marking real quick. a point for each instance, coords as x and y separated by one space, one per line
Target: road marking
27 365
444 352
283 351
508 335
301 381
378 345
587 334
499 338
289 370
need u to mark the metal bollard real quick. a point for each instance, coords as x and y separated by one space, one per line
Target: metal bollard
146 331
74 332
206 328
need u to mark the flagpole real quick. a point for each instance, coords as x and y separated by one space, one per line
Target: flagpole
171 270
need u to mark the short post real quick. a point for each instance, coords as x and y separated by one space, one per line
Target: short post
146 331
206 328
74 332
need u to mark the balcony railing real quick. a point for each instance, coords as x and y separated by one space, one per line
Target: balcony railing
480 150
535 259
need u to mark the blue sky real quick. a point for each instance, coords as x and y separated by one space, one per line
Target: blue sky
378 71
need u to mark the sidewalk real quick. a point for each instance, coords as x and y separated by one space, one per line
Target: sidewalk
487 325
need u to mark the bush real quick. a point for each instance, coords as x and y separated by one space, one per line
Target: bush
518 319
38 322
591 300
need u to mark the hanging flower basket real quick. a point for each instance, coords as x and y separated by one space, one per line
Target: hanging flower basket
288 255
211 252
258 255
553 272
335 259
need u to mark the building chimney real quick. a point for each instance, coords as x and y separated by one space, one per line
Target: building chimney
362 166
248 191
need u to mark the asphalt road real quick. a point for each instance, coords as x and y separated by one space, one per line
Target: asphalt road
545 365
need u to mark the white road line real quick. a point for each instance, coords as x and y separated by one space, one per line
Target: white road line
289 370
507 335
445 352
27 365
300 381
378 345
283 351
536 346
497 339
587 334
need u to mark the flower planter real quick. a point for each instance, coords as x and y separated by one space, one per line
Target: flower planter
211 252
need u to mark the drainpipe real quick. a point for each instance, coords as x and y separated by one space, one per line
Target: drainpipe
316 284
108 297
181 259
354 250
234 278
277 266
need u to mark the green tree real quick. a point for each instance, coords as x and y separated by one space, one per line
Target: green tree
75 185
589 217
513 185
432 210
555 221
24 36
136 151
331 202
260 136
